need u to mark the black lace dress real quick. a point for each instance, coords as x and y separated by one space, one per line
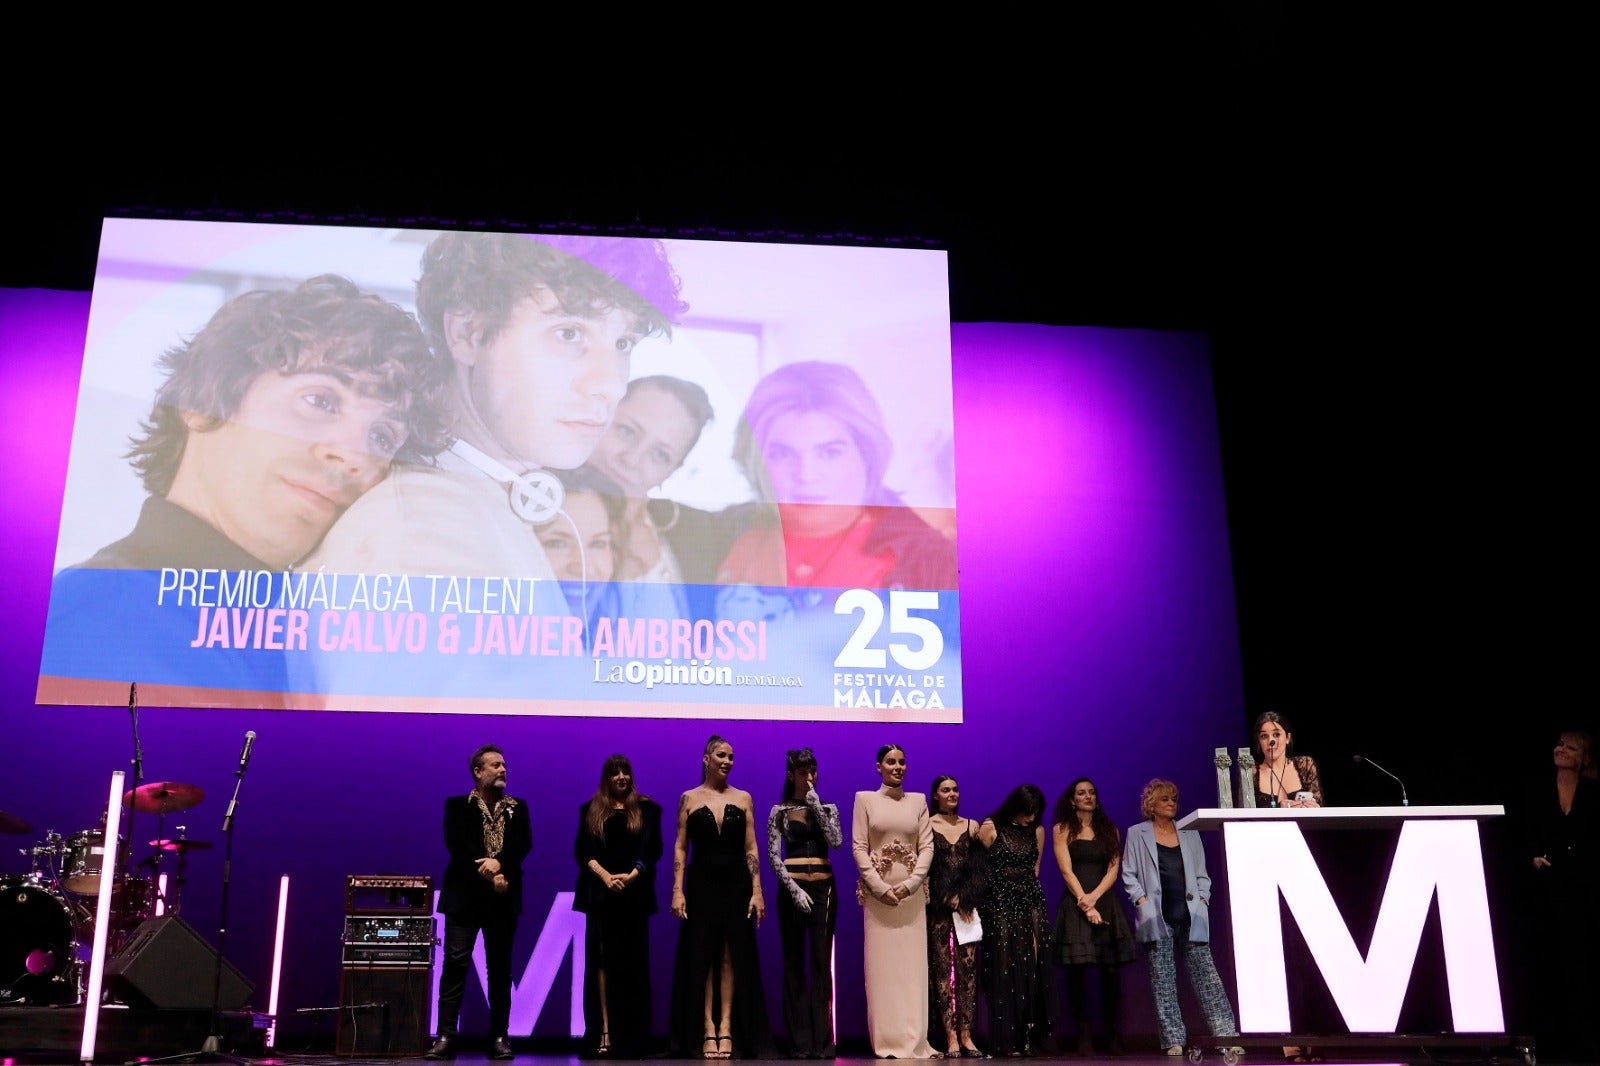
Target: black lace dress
959 869
716 891
1016 945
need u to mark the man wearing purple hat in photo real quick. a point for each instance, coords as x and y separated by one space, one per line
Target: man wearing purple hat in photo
539 332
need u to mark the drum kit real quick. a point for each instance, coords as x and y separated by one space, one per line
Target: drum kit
47 916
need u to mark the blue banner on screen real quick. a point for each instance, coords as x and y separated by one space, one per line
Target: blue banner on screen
440 471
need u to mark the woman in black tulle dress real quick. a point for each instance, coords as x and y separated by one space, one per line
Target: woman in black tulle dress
718 1007
1091 928
1016 926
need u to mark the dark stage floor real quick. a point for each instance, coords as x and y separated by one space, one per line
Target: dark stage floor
51 1037
1148 1059
1449 1055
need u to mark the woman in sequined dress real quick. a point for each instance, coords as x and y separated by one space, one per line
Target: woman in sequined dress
1016 926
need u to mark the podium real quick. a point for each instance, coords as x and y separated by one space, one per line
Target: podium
1438 858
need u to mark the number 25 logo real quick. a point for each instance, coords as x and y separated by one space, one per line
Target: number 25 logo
930 641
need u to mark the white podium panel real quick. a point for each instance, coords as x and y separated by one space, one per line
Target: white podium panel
1438 856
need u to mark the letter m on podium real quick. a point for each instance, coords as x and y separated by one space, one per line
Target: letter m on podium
1433 858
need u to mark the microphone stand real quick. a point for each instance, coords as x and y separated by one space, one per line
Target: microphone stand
1272 777
211 1050
125 853
1405 801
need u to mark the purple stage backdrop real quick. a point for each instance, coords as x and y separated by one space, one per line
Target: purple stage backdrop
1099 638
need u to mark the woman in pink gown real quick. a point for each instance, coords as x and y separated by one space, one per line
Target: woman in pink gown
892 840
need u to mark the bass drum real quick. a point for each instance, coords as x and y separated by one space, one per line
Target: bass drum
133 899
36 945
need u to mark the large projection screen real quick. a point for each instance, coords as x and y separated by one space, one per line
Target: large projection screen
284 494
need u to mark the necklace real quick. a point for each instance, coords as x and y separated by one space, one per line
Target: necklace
535 496
810 556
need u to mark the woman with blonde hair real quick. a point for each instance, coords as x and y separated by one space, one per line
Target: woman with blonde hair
1164 873
814 447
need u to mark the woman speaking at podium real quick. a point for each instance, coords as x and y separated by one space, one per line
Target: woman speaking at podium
1283 779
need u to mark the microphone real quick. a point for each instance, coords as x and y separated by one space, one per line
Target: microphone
244 756
1404 801
1272 778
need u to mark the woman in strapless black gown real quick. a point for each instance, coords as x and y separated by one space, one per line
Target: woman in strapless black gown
718 1007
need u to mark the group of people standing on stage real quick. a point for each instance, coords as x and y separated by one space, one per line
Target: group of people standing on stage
951 905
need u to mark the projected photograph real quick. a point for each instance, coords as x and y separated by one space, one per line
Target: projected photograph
472 472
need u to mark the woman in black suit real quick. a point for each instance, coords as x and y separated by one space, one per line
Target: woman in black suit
1562 842
617 848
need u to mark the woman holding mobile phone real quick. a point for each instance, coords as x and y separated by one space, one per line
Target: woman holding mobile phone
1283 779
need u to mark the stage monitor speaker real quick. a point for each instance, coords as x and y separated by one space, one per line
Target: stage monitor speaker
165 964
383 1010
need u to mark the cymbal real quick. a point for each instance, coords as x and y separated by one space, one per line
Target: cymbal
181 845
163 797
10 823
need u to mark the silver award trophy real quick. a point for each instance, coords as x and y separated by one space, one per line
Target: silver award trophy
1224 790
1247 778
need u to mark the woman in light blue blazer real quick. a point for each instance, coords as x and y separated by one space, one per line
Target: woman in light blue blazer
1164 872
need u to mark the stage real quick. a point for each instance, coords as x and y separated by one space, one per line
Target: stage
55 1034
51 1035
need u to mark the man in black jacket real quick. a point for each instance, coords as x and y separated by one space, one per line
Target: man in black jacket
488 834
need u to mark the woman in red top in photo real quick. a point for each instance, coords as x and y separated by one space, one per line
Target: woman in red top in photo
813 443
